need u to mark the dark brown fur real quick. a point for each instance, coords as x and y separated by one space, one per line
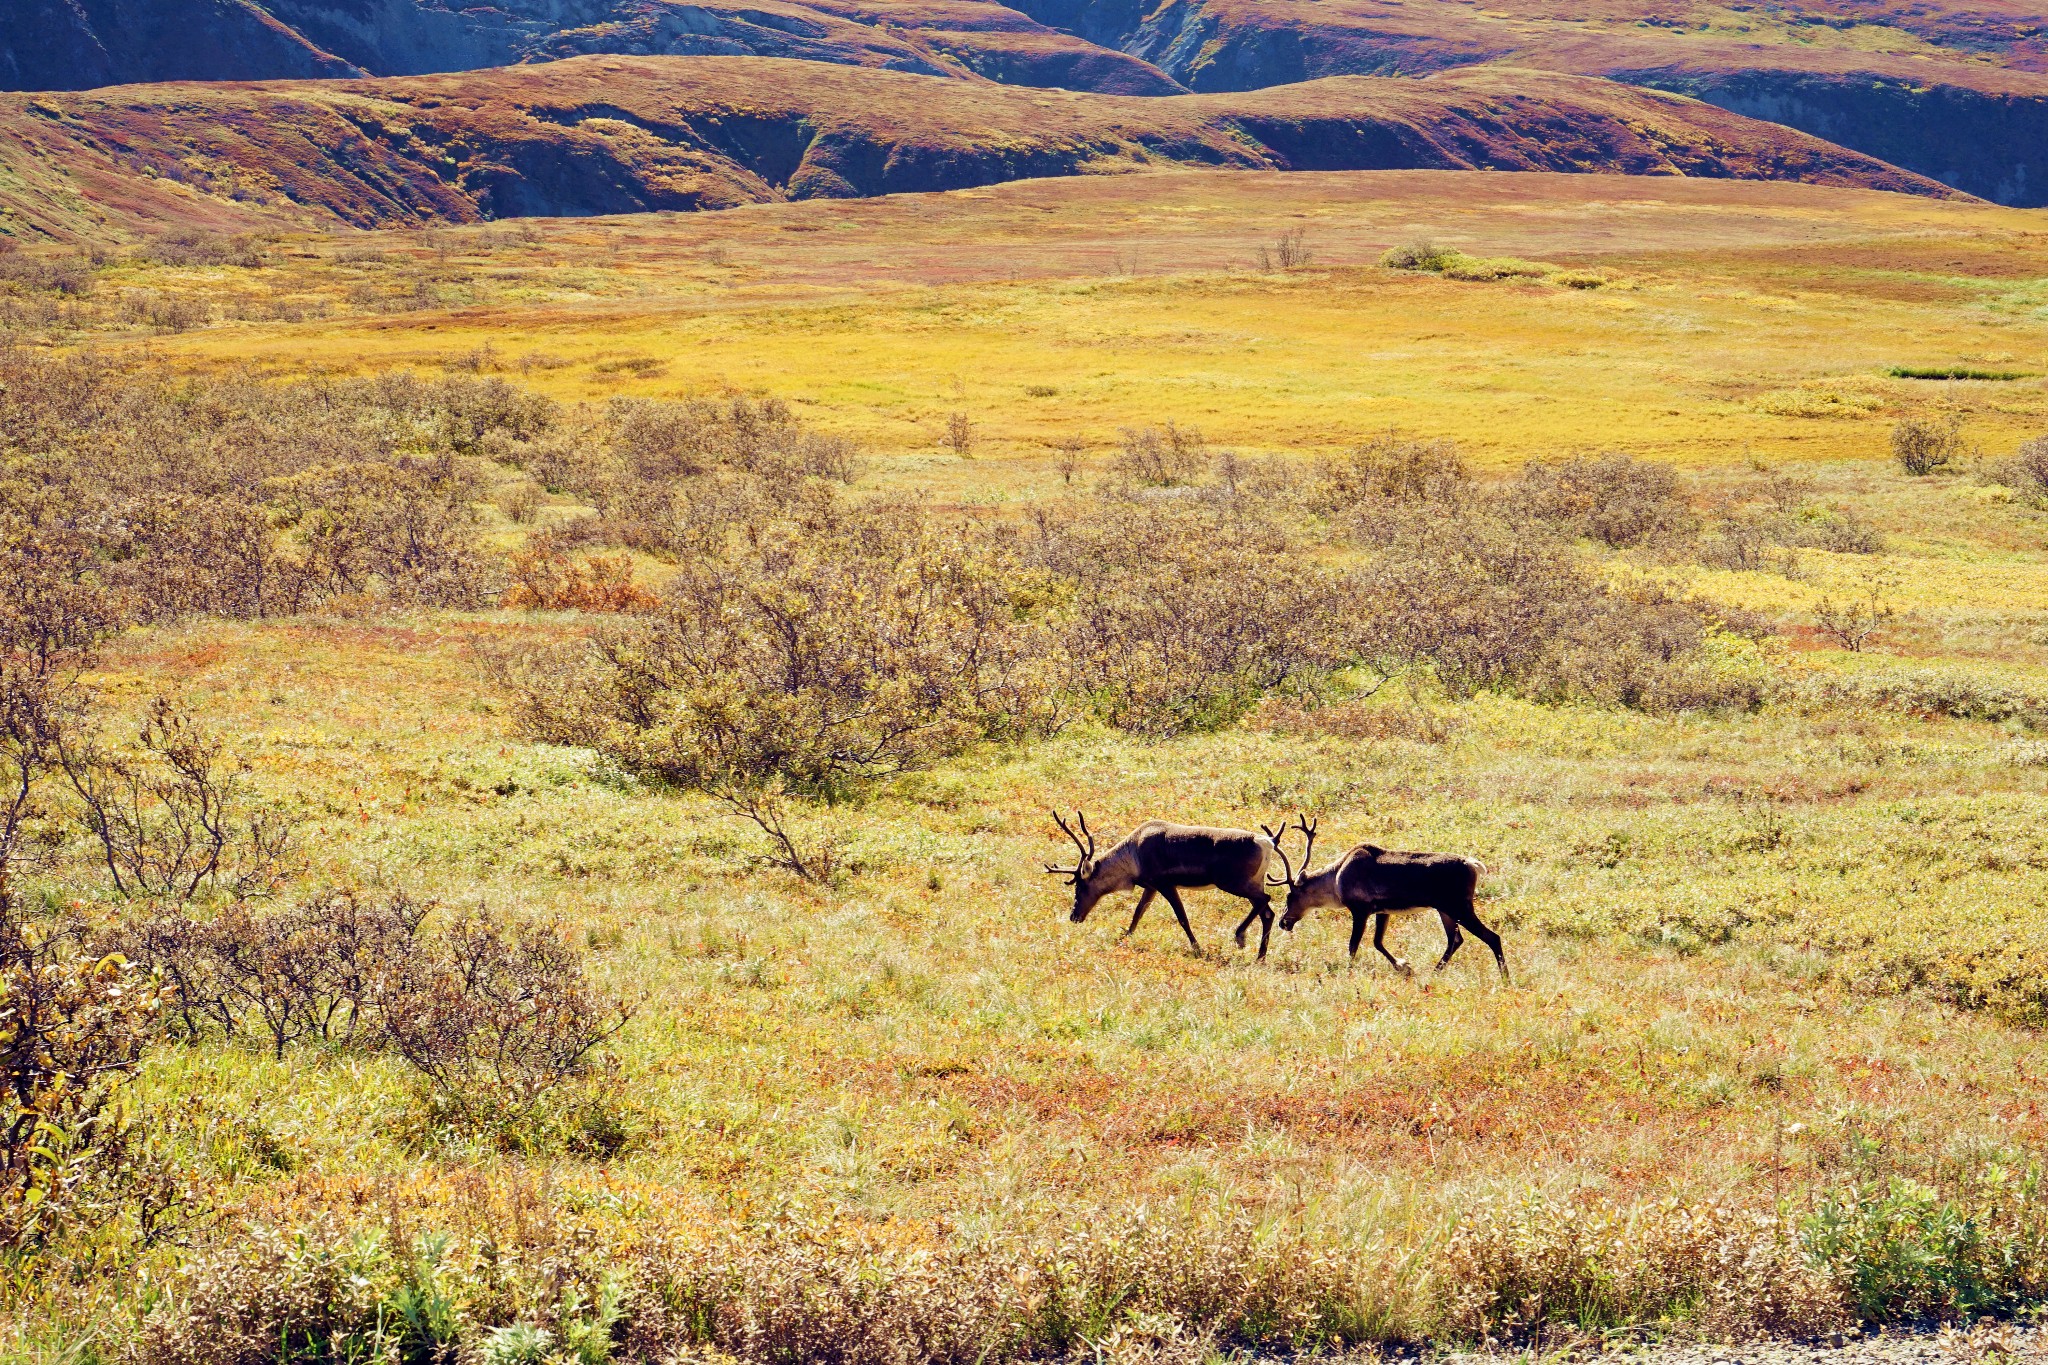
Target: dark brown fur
1373 883
1162 859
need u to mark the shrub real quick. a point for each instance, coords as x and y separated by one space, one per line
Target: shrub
2026 473
172 817
833 651
1163 636
1161 459
1491 605
494 1018
1517 1269
1905 1251
1925 446
1422 255
545 579
1615 499
1288 252
322 968
74 1024
1392 469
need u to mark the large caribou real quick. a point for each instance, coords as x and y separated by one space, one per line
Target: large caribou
1373 883
1163 860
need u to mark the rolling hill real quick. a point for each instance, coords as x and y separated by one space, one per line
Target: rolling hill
1956 90
597 135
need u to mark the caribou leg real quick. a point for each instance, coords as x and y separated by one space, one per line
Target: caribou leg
1358 919
1454 939
1143 901
1379 941
1470 918
1262 911
1180 912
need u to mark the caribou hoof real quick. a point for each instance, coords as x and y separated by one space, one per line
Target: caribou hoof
1240 938
1404 966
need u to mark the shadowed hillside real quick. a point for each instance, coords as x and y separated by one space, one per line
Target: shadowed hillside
1948 89
1952 90
614 135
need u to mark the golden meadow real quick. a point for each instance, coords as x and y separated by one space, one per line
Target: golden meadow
1772 901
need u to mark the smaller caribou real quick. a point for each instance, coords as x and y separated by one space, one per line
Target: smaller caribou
1374 883
1163 860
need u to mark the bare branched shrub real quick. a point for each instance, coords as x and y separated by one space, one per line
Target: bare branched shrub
1924 445
53 614
495 1017
1853 619
318 969
1070 450
1391 468
1288 252
173 815
1161 459
1615 499
960 435
546 579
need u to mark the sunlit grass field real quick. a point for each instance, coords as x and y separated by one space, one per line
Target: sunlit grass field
1737 319
1749 951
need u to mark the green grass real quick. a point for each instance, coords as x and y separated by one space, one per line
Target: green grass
1954 372
1774 963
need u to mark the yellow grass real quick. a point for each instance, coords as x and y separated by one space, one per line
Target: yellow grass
1741 320
1740 943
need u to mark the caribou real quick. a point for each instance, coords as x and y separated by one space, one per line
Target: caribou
1164 859
1375 883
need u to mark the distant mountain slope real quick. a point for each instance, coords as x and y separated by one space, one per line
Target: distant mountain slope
74 44
1954 89
598 135
81 44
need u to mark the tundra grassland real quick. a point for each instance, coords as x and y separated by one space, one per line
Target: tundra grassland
1771 1057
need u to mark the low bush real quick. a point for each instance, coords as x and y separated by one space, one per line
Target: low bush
74 1024
1524 1270
1617 500
1423 255
1159 458
2026 473
1924 446
495 1018
546 579
1392 469
1927 692
172 816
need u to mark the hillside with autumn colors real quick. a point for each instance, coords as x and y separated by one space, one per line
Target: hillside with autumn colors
617 135
1950 89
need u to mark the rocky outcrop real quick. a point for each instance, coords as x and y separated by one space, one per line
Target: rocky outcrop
596 135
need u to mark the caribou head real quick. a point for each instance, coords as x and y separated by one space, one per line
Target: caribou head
1082 874
1300 893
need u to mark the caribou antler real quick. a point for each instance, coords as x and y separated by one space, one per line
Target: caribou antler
1278 836
1087 849
1308 829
